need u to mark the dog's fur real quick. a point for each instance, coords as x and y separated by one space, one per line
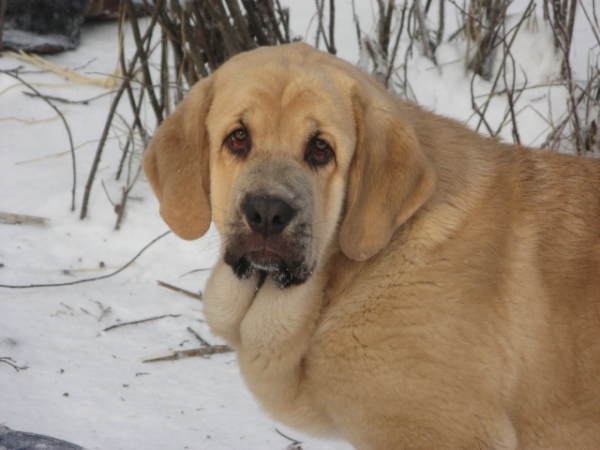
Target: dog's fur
436 289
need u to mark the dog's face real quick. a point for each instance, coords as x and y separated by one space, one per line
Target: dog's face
280 149
290 151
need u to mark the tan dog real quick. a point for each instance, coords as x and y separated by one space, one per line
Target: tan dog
387 275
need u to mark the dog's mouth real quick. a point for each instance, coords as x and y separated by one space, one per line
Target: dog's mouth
272 256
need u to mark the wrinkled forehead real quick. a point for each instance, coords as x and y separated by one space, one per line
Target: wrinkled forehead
281 95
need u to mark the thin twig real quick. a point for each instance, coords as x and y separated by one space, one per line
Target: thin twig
441 24
515 30
294 441
181 354
127 77
8 286
66 100
120 208
103 311
137 322
12 363
423 30
15 75
97 157
144 57
203 343
107 194
510 95
177 289
357 27
396 45
332 48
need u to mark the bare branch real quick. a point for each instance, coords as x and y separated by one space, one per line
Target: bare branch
15 75
182 354
137 322
12 363
128 76
177 289
423 30
86 280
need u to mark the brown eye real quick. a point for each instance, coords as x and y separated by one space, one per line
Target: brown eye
238 142
318 152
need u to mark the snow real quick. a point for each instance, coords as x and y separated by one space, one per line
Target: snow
89 386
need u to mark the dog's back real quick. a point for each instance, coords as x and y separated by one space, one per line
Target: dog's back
493 303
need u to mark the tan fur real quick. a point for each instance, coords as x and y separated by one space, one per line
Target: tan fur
453 300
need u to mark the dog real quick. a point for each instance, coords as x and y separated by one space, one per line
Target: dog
387 276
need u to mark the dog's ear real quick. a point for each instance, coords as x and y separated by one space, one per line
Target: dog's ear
176 165
390 177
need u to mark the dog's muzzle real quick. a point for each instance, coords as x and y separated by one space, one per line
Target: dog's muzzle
274 243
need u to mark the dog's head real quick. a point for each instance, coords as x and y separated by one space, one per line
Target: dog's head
288 149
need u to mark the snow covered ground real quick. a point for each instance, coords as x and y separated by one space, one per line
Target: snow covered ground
90 386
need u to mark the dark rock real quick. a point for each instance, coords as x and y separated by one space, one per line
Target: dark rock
43 26
18 440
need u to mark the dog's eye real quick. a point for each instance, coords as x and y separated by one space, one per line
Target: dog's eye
238 142
318 152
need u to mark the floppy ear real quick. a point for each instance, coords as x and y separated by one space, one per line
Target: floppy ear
176 165
390 177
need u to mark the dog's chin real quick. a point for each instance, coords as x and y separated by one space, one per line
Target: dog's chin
282 274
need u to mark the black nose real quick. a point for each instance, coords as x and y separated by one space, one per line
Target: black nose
267 215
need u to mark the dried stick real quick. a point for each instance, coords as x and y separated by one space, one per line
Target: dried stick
275 26
120 208
15 75
144 57
554 136
238 18
8 286
510 92
203 343
12 363
594 24
423 30
384 25
441 24
66 100
181 354
332 48
128 76
255 23
357 27
164 73
97 157
127 83
205 350
528 11
328 38
137 322
294 441
396 45
477 109
319 4
16 219
124 156
177 289
284 17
